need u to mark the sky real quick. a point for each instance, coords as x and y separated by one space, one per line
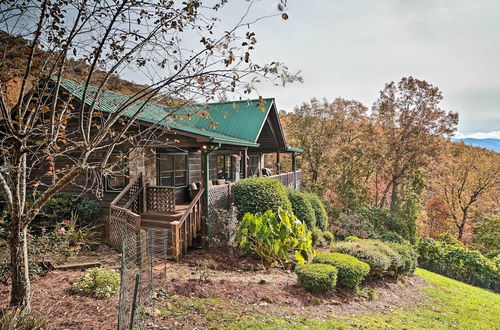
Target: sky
351 48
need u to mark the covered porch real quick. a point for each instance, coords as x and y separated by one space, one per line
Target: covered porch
142 206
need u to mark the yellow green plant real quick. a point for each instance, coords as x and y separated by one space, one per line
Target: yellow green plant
275 237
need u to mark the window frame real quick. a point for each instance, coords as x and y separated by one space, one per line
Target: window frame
229 171
159 153
256 166
107 187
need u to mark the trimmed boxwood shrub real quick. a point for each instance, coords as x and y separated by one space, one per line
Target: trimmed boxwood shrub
408 258
319 211
378 261
351 271
317 277
383 247
301 207
258 195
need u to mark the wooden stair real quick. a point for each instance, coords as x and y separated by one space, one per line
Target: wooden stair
142 207
160 220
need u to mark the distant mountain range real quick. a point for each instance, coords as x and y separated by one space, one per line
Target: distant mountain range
492 144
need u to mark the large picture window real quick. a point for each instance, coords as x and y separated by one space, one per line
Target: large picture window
172 169
116 179
224 167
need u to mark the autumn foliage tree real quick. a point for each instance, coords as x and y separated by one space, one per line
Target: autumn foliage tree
360 163
336 158
465 180
409 125
177 48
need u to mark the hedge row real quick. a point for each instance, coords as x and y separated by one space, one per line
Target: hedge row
382 257
351 271
353 261
452 259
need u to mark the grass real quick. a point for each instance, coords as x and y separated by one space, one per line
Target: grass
450 305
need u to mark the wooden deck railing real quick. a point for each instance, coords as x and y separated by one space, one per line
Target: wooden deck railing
187 227
159 199
123 212
289 179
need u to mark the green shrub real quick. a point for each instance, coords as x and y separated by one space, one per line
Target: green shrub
317 237
317 277
62 207
351 271
258 195
100 283
408 258
274 236
454 260
301 207
86 211
380 257
328 237
449 239
485 236
319 211
352 239
383 247
390 237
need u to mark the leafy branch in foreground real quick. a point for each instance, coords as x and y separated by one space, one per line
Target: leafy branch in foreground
50 139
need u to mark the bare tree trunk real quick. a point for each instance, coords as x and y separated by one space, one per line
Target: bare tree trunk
394 195
20 296
461 227
460 232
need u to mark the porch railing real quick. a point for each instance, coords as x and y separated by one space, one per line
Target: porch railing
124 219
187 227
159 199
290 179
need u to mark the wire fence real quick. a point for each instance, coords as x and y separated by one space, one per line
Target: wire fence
139 253
220 198
470 278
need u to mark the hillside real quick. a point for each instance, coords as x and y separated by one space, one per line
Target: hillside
13 52
491 144
426 300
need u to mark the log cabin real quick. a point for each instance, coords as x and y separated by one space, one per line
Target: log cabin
175 181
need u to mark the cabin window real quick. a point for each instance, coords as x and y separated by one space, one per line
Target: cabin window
224 167
172 169
116 179
253 165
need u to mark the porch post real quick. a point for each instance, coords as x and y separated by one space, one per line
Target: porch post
245 164
294 169
206 175
278 165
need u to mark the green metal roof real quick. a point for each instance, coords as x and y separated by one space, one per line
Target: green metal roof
235 122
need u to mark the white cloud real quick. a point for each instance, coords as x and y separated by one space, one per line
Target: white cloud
479 135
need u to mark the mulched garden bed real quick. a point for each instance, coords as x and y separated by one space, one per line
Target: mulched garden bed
243 286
